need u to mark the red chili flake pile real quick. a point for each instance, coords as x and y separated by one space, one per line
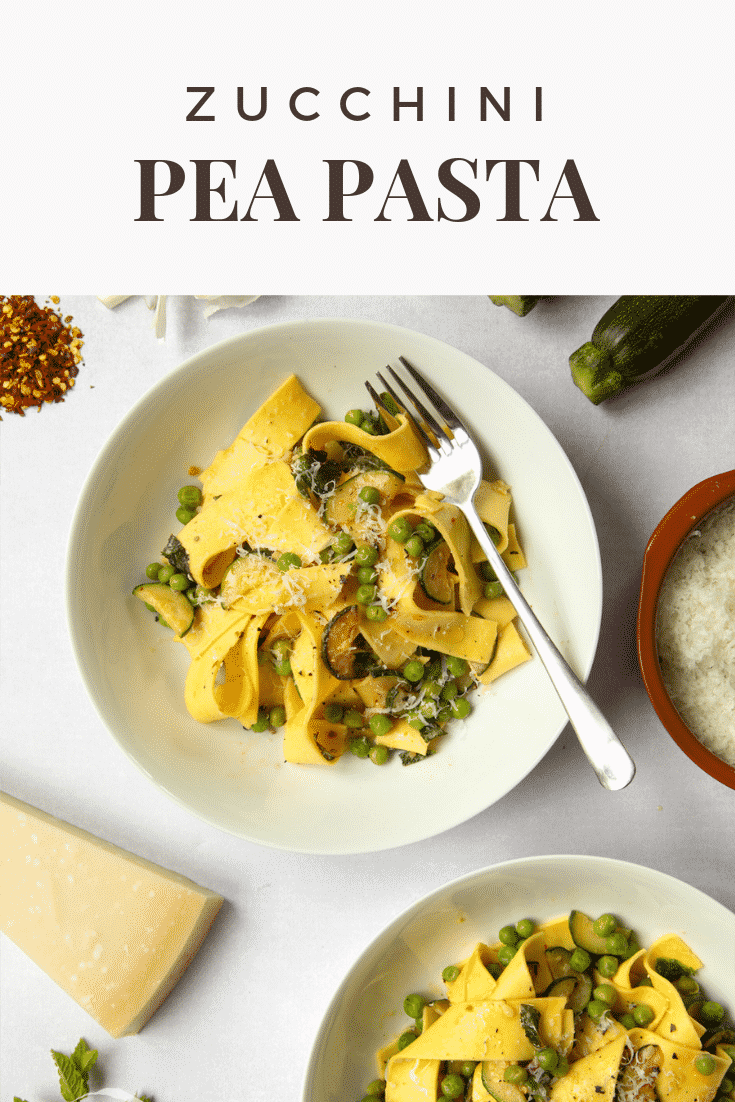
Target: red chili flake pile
39 353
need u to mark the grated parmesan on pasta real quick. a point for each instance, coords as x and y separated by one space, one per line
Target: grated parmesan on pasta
695 632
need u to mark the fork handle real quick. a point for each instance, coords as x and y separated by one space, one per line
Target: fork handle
605 752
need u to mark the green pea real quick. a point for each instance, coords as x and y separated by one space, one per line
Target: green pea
729 1051
506 953
152 571
687 985
705 1064
515 1074
525 927
380 725
461 707
353 719
562 1067
277 716
643 1014
379 755
580 960
333 712
605 993
287 560
607 966
726 1086
400 529
342 544
366 594
166 573
605 925
405 1039
413 1005
354 417
366 575
415 719
547 1058
184 515
711 1013
190 497
450 973
179 582
491 590
283 667
360 747
202 594
376 613
370 495
487 572
616 944
627 1021
413 670
493 533
457 667
376 1087
450 691
415 546
261 723
452 1086
365 555
371 425
596 1008
467 1068
508 935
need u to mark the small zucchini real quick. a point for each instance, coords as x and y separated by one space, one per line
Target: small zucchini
435 579
493 1082
172 607
339 652
341 509
636 337
583 934
519 304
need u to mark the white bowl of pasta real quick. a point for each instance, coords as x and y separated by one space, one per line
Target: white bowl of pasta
279 789
459 930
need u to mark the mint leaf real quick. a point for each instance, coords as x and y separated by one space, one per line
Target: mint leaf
84 1057
72 1083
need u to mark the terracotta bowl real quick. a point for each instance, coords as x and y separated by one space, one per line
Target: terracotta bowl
663 545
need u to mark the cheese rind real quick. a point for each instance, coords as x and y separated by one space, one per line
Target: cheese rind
115 931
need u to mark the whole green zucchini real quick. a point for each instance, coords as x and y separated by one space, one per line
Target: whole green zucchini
636 337
519 304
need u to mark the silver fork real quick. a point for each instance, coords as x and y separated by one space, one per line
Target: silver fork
455 472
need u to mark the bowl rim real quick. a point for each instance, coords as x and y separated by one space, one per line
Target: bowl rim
666 540
525 865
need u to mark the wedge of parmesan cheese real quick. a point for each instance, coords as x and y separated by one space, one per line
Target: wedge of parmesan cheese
115 931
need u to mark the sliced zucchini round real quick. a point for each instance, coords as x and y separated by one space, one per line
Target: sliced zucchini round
496 1086
339 653
172 608
558 959
583 934
245 573
435 580
575 987
341 509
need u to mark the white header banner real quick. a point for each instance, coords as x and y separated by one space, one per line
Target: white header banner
395 148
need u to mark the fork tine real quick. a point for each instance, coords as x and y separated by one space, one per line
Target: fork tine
447 413
376 397
428 417
428 440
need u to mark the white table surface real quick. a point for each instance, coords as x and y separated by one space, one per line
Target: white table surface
241 1022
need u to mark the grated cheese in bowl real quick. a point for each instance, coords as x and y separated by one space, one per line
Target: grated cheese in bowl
695 632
